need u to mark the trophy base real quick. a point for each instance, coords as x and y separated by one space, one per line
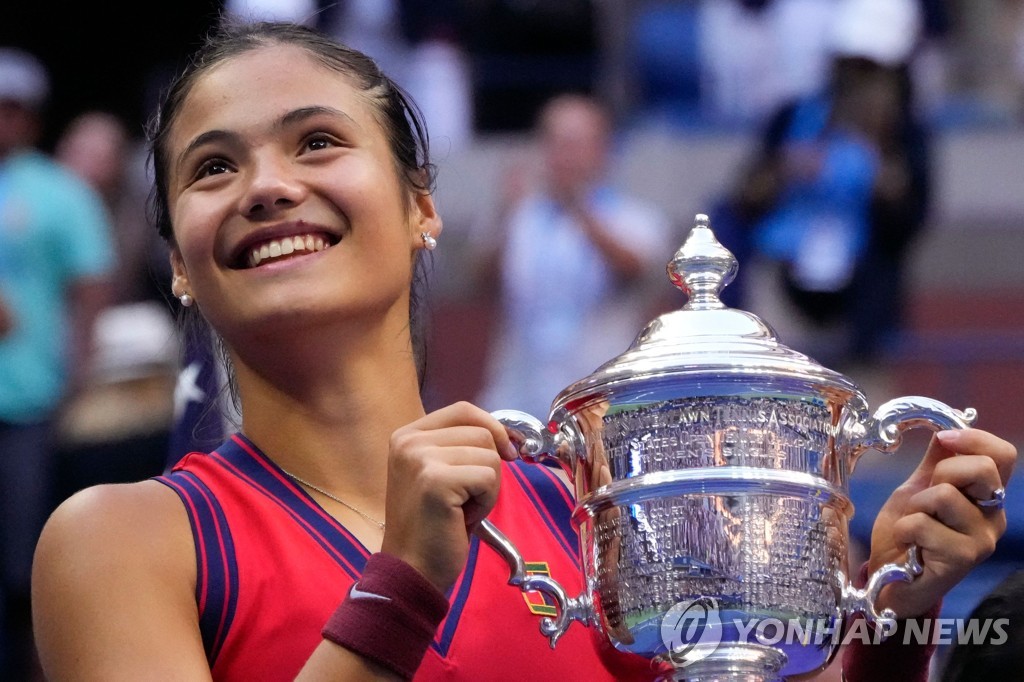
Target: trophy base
737 662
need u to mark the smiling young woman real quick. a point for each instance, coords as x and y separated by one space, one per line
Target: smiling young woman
331 538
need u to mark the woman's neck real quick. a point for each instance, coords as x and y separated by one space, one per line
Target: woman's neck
328 416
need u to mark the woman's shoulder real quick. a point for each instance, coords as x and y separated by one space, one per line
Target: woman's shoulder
113 586
104 529
118 503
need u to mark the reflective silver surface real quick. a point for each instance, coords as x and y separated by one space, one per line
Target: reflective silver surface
711 462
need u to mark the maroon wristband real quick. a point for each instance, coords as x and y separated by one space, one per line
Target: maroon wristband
389 616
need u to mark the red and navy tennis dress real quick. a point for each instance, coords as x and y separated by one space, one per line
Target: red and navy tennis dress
272 566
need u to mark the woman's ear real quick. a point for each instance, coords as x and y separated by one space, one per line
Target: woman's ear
426 220
179 277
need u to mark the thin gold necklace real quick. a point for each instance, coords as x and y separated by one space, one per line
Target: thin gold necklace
379 524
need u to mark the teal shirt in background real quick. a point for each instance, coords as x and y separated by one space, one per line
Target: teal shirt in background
54 229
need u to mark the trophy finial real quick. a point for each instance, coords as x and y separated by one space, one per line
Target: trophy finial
702 267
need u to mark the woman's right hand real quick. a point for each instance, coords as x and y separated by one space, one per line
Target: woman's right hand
444 472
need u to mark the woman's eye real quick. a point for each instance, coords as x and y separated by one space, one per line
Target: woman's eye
212 167
318 142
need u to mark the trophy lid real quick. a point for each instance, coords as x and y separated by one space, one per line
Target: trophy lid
705 345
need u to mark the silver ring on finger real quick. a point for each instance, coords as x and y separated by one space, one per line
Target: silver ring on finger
997 501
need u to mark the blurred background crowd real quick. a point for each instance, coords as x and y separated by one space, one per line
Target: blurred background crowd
862 158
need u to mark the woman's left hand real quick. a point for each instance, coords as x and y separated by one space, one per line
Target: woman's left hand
937 509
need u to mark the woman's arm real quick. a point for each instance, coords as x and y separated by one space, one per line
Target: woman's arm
113 588
113 594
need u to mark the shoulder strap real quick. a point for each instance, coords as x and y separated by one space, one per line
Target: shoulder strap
216 565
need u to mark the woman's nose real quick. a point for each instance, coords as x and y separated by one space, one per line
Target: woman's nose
272 185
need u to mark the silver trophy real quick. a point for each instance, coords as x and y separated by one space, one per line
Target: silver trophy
711 467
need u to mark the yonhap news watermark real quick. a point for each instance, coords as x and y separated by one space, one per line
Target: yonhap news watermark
692 630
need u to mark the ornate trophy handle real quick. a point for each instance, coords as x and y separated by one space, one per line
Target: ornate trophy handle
569 608
535 442
863 601
884 430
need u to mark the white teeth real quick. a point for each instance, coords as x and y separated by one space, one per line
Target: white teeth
284 247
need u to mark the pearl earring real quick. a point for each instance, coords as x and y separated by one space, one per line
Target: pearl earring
186 300
429 243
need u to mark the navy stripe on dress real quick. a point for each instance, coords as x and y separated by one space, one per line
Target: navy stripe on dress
553 501
457 597
243 459
216 564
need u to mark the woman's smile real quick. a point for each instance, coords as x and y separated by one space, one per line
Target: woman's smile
276 250
286 241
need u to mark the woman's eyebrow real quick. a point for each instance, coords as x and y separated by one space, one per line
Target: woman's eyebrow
307 112
202 139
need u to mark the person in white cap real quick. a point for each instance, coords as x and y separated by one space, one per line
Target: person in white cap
838 190
55 251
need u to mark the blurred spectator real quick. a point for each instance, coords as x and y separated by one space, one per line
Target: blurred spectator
55 257
97 146
6 319
826 212
571 256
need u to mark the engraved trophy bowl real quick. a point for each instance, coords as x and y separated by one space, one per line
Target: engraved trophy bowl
711 468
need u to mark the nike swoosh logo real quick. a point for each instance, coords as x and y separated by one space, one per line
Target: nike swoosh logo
356 593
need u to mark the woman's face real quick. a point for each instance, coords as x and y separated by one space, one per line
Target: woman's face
286 203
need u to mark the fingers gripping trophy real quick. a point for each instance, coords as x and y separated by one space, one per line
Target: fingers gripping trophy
711 465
